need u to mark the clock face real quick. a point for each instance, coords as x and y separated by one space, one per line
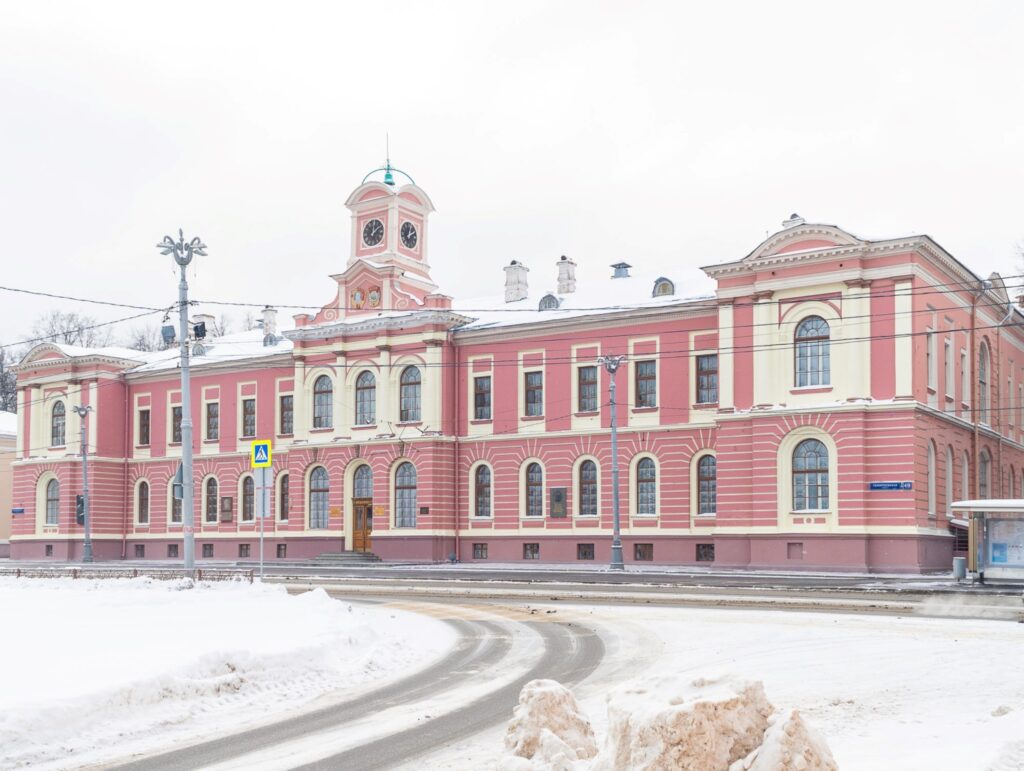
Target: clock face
373 232
409 235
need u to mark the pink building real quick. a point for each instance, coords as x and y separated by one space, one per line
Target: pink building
763 426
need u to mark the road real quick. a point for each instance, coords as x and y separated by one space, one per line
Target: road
570 652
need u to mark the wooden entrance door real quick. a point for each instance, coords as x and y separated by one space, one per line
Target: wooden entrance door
362 523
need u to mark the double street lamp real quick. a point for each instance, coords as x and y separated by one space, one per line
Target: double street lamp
612 364
82 411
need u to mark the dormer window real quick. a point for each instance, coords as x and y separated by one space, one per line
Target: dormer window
549 302
663 287
198 349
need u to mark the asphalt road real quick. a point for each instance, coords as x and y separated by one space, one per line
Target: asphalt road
571 652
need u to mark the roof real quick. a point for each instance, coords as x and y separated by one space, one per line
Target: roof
1004 505
8 424
592 297
218 350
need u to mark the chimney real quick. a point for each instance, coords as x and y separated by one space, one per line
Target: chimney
794 220
515 282
621 270
566 275
269 321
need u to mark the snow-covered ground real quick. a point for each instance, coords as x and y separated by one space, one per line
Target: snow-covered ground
885 692
94 670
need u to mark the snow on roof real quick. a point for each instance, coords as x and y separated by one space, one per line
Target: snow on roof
990 505
592 297
113 351
8 424
216 350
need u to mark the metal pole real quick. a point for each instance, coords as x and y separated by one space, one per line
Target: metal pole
263 512
612 363
82 411
183 251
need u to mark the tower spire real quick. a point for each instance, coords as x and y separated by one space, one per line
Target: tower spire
388 177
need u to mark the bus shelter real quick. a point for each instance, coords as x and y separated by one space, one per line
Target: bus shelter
995 537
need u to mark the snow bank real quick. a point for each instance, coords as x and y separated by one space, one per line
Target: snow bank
790 744
548 728
708 724
98 669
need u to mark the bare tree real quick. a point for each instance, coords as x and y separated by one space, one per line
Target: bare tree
71 329
249 321
145 338
221 326
8 381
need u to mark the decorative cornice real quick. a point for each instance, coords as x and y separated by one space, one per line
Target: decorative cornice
377 324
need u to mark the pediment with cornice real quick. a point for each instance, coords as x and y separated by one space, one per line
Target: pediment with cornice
804 238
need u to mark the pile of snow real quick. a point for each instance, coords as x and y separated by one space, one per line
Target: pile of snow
548 728
708 724
99 669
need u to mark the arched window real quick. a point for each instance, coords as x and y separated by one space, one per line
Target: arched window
984 475
366 399
52 502
534 490
646 487
482 488
175 503
811 350
405 495
57 423
323 402
810 476
663 287
949 480
1011 481
707 485
284 503
248 499
142 499
363 482
984 392
211 499
588 489
932 491
319 489
409 395
965 475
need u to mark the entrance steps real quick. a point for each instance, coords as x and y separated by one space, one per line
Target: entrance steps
344 558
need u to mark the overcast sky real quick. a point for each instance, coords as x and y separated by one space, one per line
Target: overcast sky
670 135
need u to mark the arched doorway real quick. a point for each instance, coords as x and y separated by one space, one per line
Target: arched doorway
362 508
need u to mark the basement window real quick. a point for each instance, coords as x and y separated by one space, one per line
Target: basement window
584 551
705 552
243 551
172 551
282 551
643 552
207 549
140 551
531 551
479 551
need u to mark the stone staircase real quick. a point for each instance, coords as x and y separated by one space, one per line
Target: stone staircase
345 558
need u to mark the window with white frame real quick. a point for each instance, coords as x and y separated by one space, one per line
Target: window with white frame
482 491
366 399
211 500
984 475
409 395
323 402
52 502
534 387
319 494
58 422
932 492
175 504
646 383
588 488
248 499
142 503
284 498
405 495
707 485
984 394
812 353
933 369
949 481
965 475
646 487
534 490
947 353
363 482
810 476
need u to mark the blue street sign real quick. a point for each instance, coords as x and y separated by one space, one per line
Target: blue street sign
890 485
18 510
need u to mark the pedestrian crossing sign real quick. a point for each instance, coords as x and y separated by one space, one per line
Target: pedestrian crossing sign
260 453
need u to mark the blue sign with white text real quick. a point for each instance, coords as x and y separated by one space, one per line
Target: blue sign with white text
17 510
890 485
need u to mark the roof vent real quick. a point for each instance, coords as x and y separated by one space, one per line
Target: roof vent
794 220
621 270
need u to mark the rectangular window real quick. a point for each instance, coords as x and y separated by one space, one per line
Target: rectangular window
287 414
175 509
534 394
646 384
213 420
48 550
144 427
482 398
707 379
248 417
243 551
584 551
947 353
531 551
587 389
140 551
172 551
933 370
176 424
643 552
207 549
705 552
479 551
965 378
282 551
285 504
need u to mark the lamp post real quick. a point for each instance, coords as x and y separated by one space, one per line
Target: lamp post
612 364
83 410
183 251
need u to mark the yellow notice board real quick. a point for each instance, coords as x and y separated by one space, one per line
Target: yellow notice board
260 454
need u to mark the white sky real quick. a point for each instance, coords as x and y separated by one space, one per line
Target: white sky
671 135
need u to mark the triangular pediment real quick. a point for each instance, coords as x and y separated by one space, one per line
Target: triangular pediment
803 238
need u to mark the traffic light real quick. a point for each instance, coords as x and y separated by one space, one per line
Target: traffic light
80 509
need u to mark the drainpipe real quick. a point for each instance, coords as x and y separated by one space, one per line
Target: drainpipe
972 483
455 444
1004 411
127 455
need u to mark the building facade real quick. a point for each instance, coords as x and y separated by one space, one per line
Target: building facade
821 410
8 440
